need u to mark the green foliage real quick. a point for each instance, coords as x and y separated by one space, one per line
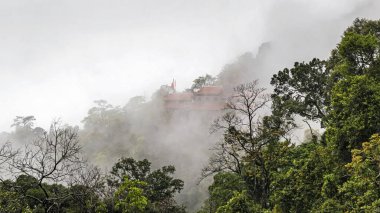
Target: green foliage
101 207
129 196
9 201
260 172
297 185
302 90
355 95
160 186
349 94
358 53
135 170
330 205
364 26
25 195
354 113
361 191
224 187
241 203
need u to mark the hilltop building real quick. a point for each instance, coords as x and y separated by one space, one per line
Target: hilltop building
207 98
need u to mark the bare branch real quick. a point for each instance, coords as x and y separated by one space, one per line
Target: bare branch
51 158
240 129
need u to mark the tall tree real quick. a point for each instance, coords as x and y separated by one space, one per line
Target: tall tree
251 146
355 95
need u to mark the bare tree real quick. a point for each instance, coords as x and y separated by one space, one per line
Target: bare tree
251 143
6 154
52 158
240 127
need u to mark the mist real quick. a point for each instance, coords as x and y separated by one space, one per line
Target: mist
69 53
58 57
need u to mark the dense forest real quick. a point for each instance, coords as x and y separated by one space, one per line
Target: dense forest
122 159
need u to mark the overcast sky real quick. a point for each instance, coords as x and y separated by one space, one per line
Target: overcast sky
58 56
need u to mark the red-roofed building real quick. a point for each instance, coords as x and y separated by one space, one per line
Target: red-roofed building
208 98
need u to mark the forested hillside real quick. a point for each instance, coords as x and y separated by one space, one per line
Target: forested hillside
144 158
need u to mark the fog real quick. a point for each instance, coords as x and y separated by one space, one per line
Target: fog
57 57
